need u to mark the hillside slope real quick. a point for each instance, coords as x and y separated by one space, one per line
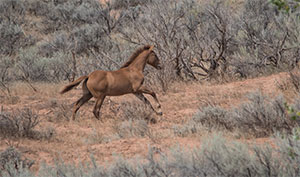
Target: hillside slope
115 133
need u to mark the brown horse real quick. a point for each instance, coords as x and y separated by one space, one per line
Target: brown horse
128 79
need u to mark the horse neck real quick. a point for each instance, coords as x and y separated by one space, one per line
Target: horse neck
140 62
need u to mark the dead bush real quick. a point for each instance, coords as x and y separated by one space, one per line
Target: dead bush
12 162
61 112
135 118
214 118
267 40
262 117
119 4
132 128
136 111
259 117
18 124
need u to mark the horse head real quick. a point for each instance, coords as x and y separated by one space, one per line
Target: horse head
153 59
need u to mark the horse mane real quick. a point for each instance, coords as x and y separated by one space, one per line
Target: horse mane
135 54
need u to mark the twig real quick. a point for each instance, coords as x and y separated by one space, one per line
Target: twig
74 63
7 88
28 82
108 57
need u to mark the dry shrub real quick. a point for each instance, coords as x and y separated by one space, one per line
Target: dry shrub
259 117
119 4
132 128
194 39
215 157
60 111
133 120
12 162
97 137
262 117
18 124
21 124
136 111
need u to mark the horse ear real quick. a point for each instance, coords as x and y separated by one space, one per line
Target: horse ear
151 47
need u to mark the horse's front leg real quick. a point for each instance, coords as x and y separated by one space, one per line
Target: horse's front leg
140 95
145 90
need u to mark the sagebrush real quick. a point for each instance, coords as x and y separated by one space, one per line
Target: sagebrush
216 157
259 117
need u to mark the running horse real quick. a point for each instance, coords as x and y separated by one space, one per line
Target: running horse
128 79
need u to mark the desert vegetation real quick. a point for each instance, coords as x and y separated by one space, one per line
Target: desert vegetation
230 80
214 158
59 40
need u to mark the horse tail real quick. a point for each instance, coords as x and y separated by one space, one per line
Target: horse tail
73 84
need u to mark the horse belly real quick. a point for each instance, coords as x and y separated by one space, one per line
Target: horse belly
119 89
119 86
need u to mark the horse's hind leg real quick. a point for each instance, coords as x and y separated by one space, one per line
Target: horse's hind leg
86 97
98 105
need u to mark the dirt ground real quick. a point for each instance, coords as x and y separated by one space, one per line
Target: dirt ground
75 141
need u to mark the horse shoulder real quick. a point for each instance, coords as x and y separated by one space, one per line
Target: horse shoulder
136 79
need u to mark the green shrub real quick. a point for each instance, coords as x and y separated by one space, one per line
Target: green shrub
286 5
